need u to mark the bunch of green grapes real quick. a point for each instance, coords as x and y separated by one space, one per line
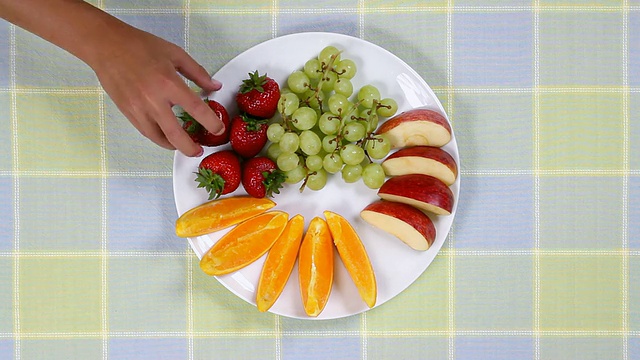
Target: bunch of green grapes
326 127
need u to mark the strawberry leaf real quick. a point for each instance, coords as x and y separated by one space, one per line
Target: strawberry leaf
273 181
254 82
253 124
212 182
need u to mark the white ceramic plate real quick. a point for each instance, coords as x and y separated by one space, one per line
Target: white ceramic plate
395 264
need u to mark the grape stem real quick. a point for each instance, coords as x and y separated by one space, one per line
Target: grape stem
306 179
326 69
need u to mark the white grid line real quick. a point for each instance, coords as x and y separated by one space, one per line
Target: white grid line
451 287
625 181
103 231
81 173
565 172
376 9
536 178
329 333
274 18
16 193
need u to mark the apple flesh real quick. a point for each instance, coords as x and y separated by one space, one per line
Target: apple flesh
403 221
424 192
426 160
418 126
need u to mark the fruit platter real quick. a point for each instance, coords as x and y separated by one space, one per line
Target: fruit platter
335 185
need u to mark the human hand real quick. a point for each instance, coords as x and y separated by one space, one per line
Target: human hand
141 77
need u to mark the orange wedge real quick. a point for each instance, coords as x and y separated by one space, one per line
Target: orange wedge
244 244
315 267
354 256
219 214
279 264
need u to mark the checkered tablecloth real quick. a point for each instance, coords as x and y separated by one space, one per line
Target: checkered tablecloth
543 260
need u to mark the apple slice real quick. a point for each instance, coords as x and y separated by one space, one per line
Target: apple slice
405 222
425 192
426 160
418 126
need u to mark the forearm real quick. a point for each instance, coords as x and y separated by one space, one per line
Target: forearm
73 25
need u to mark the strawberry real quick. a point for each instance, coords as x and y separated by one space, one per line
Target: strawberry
248 135
261 177
258 96
219 173
201 135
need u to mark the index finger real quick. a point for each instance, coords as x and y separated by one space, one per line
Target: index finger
197 108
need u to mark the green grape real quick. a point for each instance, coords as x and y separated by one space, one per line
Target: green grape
373 175
332 163
298 82
288 103
304 118
354 131
351 154
275 132
343 86
367 95
313 99
313 69
327 53
329 81
273 151
351 173
329 123
378 147
289 142
317 179
346 68
313 162
338 103
329 143
296 175
287 161
387 107
310 142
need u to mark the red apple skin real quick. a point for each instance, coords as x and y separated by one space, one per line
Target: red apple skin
409 215
413 156
417 115
422 191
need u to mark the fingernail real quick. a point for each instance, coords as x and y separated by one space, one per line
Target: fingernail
221 131
216 83
200 153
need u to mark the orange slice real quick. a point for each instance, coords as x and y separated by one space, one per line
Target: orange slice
279 264
315 267
244 244
354 256
219 214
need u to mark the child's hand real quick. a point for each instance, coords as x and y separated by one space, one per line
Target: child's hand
138 70
140 77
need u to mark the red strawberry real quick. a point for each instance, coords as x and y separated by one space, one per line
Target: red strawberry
248 135
258 96
201 135
261 177
219 173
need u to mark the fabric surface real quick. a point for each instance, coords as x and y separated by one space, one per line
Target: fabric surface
542 261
